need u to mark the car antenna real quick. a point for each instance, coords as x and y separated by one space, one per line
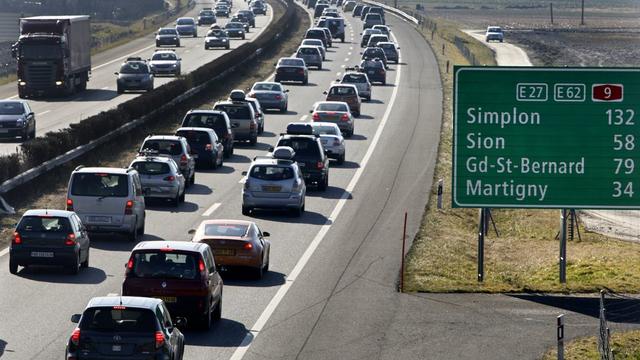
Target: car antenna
120 300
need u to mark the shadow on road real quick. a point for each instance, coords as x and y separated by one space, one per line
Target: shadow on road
3 345
224 333
309 217
51 274
245 277
332 192
619 310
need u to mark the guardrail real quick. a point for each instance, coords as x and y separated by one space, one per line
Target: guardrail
221 66
393 10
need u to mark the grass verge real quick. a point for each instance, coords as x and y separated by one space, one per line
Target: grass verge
625 346
524 257
49 191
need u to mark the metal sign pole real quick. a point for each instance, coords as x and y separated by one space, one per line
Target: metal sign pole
560 336
481 246
563 246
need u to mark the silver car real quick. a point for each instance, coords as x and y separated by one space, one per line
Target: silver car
186 26
274 182
332 140
176 147
271 95
108 200
318 43
216 38
165 62
336 112
311 56
160 177
360 80
243 119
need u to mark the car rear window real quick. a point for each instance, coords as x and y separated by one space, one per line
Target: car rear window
110 319
44 224
151 167
387 46
167 147
185 22
195 137
167 32
237 230
308 51
235 111
271 172
352 78
100 184
267 87
342 90
303 146
291 62
212 121
134 68
234 25
332 107
324 130
165 264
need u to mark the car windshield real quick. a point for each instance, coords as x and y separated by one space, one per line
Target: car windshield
352 78
164 56
234 25
235 111
164 264
185 22
213 121
494 29
304 147
167 32
324 130
40 51
134 68
235 230
11 108
291 62
271 172
332 107
120 319
221 7
266 87
195 137
100 184
151 167
167 147
45 224
342 90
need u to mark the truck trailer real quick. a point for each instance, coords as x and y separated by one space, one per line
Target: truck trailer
53 55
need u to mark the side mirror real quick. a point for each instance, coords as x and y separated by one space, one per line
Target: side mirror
265 234
244 173
181 322
310 111
30 114
287 90
324 92
75 318
191 231
116 73
270 148
398 48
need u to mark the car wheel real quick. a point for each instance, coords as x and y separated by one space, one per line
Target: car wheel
33 132
178 45
283 109
217 314
305 81
341 159
369 98
182 196
261 130
133 236
227 153
75 267
85 263
193 177
276 79
25 135
214 163
320 67
176 201
349 134
246 211
322 186
13 266
120 91
258 272
205 321
206 47
242 37
253 141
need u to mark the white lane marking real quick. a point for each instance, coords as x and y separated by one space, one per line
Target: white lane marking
13 97
351 47
343 66
112 294
105 88
4 252
346 59
255 330
210 210
186 51
338 74
44 112
349 53
304 117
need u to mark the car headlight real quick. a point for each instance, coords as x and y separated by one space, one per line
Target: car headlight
175 65
224 40
20 123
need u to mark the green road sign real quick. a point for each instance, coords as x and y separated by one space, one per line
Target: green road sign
530 137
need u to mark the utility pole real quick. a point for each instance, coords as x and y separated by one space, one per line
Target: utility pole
551 11
582 14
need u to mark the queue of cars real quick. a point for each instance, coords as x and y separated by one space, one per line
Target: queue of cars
159 274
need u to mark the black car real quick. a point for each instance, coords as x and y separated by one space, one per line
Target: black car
49 237
375 70
222 10
365 11
235 29
309 154
242 19
357 11
317 33
249 15
258 7
206 17
17 119
124 327
213 119
372 53
134 74
292 69
167 36
390 51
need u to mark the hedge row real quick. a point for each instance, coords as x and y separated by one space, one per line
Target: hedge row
53 144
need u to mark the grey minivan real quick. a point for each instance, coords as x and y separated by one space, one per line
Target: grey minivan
108 200
311 56
243 120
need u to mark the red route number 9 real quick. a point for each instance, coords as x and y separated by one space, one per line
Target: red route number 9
607 92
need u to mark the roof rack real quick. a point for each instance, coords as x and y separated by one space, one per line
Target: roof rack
134 58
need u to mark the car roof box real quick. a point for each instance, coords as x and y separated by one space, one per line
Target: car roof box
299 129
237 95
283 153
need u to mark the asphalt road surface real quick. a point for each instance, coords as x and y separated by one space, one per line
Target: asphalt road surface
57 113
506 54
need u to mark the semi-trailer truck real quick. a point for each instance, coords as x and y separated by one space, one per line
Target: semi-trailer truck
53 55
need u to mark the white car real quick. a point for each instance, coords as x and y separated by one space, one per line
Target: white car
332 140
494 33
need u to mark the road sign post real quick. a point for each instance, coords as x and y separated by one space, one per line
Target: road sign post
563 247
560 336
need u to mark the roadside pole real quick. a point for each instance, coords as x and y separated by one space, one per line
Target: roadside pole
563 246
481 232
560 336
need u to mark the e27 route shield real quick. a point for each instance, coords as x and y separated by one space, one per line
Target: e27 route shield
537 137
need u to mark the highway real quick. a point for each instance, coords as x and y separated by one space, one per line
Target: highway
57 113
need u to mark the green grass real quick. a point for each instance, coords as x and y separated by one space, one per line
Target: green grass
625 345
524 257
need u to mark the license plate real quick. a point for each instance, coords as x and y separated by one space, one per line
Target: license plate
116 348
371 72
41 254
102 219
272 188
224 252
168 299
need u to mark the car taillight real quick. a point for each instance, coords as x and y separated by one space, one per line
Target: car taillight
208 147
247 246
257 116
320 165
252 126
380 71
316 117
201 266
69 205
71 239
226 135
159 339
169 178
183 159
17 239
75 337
278 97
129 266
344 117
301 71
128 208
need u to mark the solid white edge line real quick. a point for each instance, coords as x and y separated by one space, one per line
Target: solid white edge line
210 210
4 252
253 333
44 112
